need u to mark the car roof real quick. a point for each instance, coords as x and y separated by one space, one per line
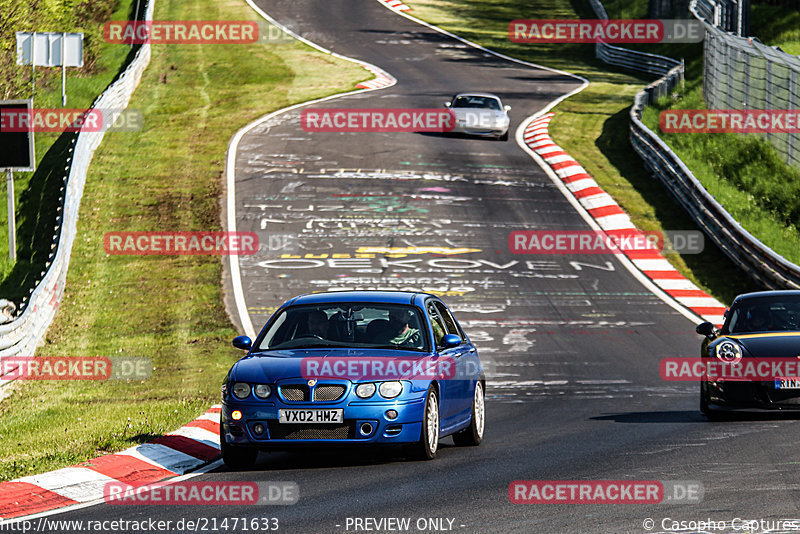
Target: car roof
388 297
477 94
761 294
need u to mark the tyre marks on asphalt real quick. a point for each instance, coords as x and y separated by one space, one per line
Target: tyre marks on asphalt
608 214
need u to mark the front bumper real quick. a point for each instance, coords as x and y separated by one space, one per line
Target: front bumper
487 132
750 396
405 428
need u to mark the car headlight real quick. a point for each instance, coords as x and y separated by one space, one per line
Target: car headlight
262 391
241 390
390 390
729 352
365 391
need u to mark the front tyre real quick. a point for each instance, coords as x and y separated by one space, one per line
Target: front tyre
236 457
712 415
428 444
504 137
473 434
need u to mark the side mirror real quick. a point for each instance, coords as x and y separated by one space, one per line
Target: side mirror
706 329
507 108
451 340
242 342
447 104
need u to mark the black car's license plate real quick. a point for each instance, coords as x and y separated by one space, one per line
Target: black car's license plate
311 416
787 383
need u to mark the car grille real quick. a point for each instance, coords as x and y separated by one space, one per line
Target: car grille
328 392
295 393
322 393
311 431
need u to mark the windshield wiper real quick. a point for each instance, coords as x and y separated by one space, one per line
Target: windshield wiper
396 347
315 346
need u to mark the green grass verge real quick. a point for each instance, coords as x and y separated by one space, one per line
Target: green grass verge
37 193
743 172
593 126
168 309
776 26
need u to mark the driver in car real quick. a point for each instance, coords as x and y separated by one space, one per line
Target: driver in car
318 323
399 331
760 319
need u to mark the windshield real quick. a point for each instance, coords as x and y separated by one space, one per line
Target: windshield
771 314
368 325
483 102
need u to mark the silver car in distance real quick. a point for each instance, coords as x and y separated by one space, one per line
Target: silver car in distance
480 114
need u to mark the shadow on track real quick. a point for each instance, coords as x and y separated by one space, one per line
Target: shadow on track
694 416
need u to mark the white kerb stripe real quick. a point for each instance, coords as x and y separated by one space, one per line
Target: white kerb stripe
579 185
572 170
653 265
620 221
166 457
199 434
559 158
551 149
76 483
700 302
153 457
600 200
669 283
209 416
544 142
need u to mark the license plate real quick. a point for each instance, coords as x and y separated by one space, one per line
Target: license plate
787 383
311 416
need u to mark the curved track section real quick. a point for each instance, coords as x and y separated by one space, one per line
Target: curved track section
571 343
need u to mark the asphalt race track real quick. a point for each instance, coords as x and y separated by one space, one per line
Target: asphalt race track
571 343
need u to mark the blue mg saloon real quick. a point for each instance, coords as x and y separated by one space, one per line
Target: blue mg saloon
353 368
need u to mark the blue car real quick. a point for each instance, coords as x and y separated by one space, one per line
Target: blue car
353 368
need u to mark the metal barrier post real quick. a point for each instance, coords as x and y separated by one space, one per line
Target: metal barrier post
12 218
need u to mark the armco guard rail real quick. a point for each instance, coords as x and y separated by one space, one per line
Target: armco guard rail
22 335
759 261
750 254
630 59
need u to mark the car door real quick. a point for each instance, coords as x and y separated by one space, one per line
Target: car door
448 388
467 366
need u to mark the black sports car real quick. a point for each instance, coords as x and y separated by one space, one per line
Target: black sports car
761 330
